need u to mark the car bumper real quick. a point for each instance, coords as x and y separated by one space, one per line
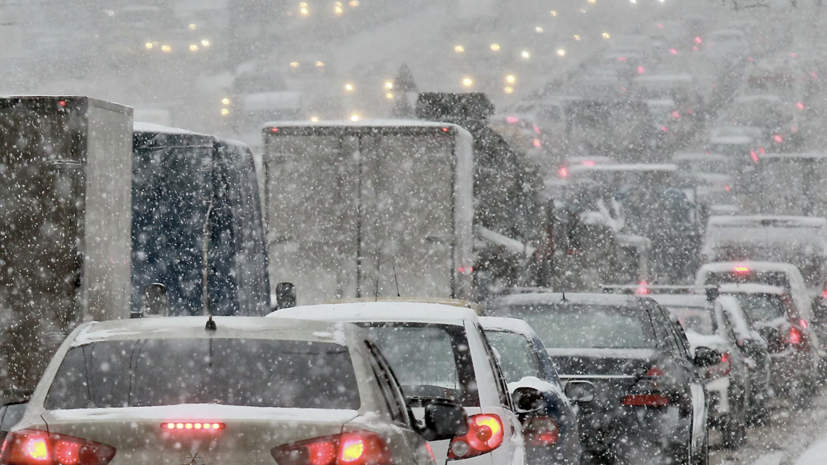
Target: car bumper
634 425
789 369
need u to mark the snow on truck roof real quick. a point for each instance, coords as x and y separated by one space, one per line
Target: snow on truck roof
750 288
758 221
194 327
637 167
699 157
158 129
378 123
725 267
390 311
793 156
577 298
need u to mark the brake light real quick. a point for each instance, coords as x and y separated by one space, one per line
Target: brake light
754 156
794 337
587 163
643 288
512 119
641 70
824 294
698 40
799 105
541 431
35 447
485 433
536 129
564 172
777 138
675 114
727 188
804 324
356 448
193 426
274 129
741 269
646 400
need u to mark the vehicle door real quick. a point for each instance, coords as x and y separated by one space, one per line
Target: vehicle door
406 441
695 408
740 362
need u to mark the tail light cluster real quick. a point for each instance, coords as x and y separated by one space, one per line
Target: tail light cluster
35 447
794 337
541 431
356 448
485 433
646 392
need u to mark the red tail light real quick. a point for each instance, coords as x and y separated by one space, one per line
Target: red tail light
794 337
197 426
824 294
485 433
541 431
741 269
799 105
34 447
777 138
643 288
754 156
804 324
646 400
564 172
357 448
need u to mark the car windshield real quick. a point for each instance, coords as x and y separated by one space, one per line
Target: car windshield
429 360
516 355
243 372
762 307
588 326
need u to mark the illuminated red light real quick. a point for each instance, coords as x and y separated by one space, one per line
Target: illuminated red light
694 48
537 143
643 290
445 129
587 163
761 149
804 324
741 269
698 40
62 103
564 172
465 269
675 114
754 156
777 138
536 129
799 105
673 51
485 433
621 58
664 129
194 425
274 129
727 188
660 26
824 294
641 70
646 400
750 59
512 119
794 337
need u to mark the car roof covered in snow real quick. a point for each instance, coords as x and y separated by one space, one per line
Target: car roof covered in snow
367 124
513 325
576 298
759 221
682 77
637 167
158 129
724 267
194 327
793 156
682 300
750 288
391 311
699 157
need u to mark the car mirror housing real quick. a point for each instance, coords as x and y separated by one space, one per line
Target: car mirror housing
580 391
444 420
527 399
706 357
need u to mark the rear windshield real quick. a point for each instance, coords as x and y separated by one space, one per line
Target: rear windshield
429 360
517 357
588 326
762 307
245 372
698 320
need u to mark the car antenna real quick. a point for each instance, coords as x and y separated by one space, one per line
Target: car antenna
564 296
396 280
205 296
378 267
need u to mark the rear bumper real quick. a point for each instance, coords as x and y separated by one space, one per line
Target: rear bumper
600 430
789 369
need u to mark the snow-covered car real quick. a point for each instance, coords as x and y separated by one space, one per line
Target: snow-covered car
648 392
793 353
550 428
798 240
439 351
224 390
729 44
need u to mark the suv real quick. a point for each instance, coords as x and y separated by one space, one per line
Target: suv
223 390
649 395
793 352
439 351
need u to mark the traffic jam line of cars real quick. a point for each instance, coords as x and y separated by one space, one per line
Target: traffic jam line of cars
545 377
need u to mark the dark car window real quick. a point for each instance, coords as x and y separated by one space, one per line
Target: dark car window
762 307
565 325
391 391
429 360
13 414
517 357
248 372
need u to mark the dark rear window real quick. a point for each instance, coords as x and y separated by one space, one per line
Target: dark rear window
517 357
586 326
762 307
429 360
248 372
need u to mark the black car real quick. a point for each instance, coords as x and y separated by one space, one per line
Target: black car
649 399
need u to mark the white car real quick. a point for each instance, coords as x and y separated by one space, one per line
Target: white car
438 350
242 390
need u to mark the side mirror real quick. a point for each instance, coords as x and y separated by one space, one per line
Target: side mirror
444 420
528 399
156 302
706 357
285 295
580 391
